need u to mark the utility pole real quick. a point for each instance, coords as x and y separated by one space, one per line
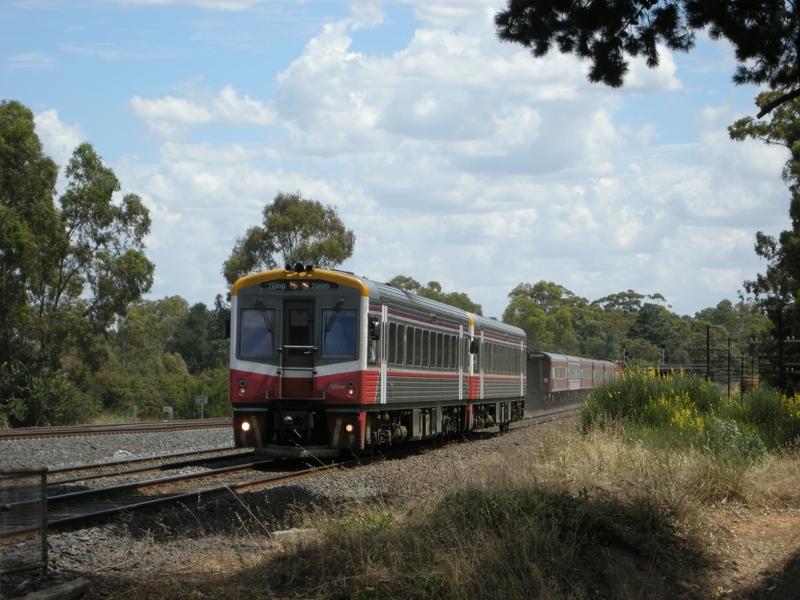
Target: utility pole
729 369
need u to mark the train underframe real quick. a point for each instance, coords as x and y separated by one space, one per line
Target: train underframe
309 428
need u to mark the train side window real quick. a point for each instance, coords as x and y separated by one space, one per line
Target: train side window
256 331
401 344
410 350
392 343
426 348
447 353
338 333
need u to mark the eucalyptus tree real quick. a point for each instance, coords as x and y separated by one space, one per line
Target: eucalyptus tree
68 269
293 230
433 290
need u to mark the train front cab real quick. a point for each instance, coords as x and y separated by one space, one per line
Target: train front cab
299 349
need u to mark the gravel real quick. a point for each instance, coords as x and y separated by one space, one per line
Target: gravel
114 555
70 451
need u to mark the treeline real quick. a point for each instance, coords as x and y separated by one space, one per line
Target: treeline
160 353
628 325
639 328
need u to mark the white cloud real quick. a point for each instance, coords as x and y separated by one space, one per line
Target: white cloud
171 117
31 60
643 79
366 14
58 139
207 4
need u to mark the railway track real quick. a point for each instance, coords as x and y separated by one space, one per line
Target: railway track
74 501
145 464
142 427
67 509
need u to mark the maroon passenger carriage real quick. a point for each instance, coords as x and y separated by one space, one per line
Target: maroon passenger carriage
558 380
324 361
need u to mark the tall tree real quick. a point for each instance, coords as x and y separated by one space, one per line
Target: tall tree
96 266
198 339
66 270
653 325
765 35
29 222
434 291
780 285
546 311
293 230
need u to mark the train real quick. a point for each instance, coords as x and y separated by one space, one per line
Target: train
325 362
559 380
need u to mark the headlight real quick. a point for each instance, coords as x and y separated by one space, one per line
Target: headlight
245 426
349 428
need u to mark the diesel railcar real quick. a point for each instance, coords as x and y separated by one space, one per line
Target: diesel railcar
323 361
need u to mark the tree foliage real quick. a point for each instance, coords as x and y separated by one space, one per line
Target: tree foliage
293 230
780 285
433 291
765 34
67 269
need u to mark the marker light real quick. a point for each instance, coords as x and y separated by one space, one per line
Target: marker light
245 426
349 428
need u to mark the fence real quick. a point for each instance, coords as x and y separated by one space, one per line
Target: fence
23 520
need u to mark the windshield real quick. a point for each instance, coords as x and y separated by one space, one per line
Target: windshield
255 332
338 332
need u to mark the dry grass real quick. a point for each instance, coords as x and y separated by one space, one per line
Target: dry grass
565 514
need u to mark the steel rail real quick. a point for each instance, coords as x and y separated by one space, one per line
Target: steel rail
143 427
230 453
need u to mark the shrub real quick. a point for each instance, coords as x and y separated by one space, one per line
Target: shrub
645 398
729 443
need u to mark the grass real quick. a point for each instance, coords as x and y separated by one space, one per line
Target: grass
615 506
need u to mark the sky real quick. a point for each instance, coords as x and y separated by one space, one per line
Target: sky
453 157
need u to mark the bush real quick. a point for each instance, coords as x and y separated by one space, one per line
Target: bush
774 416
645 398
728 443
33 395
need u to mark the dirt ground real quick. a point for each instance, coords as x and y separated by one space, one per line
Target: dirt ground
757 552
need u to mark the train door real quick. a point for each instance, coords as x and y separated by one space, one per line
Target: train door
384 355
297 352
